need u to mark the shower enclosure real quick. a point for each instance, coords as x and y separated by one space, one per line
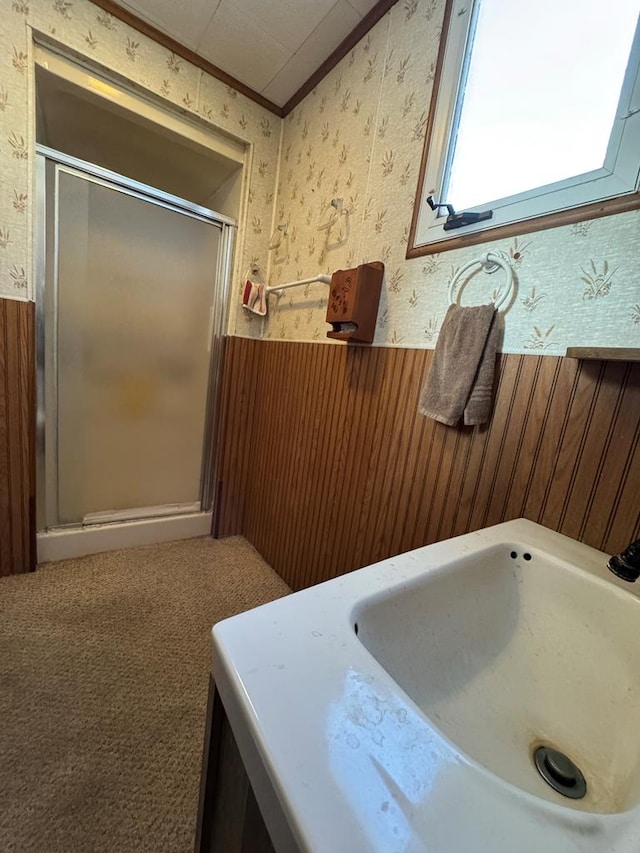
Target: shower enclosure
130 307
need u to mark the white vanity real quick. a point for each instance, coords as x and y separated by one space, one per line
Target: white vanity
399 707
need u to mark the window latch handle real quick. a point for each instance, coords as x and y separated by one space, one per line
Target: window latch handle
436 205
458 220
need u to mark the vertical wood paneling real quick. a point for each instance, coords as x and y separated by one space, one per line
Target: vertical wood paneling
237 408
506 401
382 449
410 486
536 420
581 410
620 522
598 436
17 437
399 476
5 455
451 503
553 426
327 466
616 463
510 455
330 468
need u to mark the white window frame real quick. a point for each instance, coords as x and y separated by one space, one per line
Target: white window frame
581 197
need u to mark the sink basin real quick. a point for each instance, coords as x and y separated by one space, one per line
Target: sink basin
413 705
509 648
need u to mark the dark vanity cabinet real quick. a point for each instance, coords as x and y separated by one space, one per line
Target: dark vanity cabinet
229 819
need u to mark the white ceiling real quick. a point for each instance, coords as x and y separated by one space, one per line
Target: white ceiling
273 46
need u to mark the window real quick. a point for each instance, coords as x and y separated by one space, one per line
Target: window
534 119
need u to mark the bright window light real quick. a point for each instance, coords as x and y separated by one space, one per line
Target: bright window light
541 95
536 113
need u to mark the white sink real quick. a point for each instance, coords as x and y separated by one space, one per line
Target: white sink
508 649
416 734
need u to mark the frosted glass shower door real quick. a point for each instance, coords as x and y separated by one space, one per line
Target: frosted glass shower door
135 283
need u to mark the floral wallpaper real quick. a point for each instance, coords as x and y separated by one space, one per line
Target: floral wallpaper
88 31
358 137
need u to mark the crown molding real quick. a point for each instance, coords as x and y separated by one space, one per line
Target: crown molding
185 53
347 44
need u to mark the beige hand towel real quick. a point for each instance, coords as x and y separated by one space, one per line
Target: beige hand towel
460 381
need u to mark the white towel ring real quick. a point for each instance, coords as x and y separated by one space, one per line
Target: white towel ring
490 262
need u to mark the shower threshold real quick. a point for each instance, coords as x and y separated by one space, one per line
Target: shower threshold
118 515
107 531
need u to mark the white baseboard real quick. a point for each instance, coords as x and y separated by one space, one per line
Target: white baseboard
77 542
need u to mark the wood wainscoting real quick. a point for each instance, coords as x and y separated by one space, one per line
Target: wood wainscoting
17 437
326 465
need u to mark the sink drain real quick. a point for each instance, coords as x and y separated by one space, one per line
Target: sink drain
560 772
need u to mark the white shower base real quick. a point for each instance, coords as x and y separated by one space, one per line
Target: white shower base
94 538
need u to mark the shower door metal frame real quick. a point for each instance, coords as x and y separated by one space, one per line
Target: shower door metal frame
47 268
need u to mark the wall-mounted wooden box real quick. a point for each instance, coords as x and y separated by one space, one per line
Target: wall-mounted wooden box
354 296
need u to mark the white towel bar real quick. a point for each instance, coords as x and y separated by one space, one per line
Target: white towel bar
325 279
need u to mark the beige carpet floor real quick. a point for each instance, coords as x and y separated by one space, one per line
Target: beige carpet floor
104 666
